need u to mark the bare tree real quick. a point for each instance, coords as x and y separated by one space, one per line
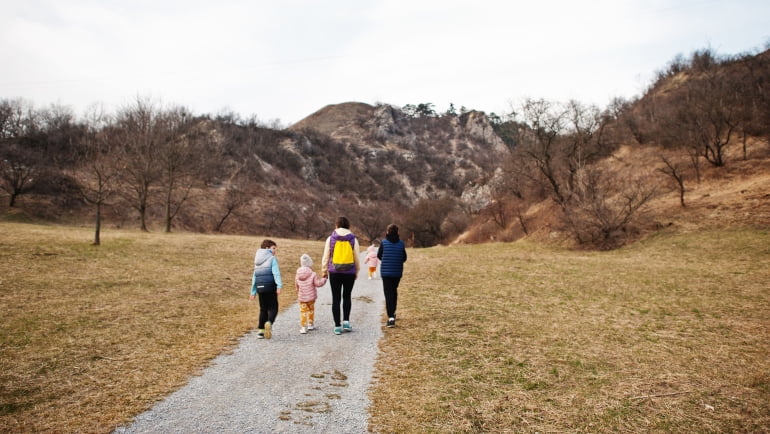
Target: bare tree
98 173
182 156
310 224
674 136
138 133
499 212
560 142
604 204
280 218
425 221
59 131
629 122
298 218
270 217
499 209
235 198
539 144
673 170
235 195
18 171
373 219
455 223
584 141
562 148
755 73
521 218
710 111
21 162
693 151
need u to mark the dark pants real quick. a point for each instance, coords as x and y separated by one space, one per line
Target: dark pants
342 287
268 308
390 288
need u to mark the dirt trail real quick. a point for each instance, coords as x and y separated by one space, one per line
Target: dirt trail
316 382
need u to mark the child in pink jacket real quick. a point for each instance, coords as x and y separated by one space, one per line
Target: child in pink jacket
306 282
371 259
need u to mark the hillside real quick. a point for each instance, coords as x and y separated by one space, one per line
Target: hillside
556 171
348 158
518 179
411 158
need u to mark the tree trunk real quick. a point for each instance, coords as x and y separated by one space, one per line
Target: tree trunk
142 219
98 228
745 153
522 223
218 228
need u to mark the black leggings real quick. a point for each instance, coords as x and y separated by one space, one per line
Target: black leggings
342 287
390 288
268 308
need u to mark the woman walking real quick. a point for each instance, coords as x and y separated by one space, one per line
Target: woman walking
340 261
392 253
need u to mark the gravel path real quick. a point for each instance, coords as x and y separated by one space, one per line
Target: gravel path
316 382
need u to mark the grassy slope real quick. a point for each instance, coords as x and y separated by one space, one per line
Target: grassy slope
520 337
517 337
90 336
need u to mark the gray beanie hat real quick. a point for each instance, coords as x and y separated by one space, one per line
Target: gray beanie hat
305 260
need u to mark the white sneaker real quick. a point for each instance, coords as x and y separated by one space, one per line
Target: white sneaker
310 327
303 330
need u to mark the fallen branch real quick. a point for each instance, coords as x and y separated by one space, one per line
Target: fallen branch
659 395
100 357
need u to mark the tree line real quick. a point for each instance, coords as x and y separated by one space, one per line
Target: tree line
158 160
694 110
165 163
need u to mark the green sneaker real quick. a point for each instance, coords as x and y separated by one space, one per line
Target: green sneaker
346 327
337 330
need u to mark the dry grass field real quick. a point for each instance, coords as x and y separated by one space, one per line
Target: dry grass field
91 336
671 334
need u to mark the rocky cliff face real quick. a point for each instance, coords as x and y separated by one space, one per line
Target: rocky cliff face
416 157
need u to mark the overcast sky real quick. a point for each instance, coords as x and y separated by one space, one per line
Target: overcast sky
287 59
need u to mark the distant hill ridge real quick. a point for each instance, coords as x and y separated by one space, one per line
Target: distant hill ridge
336 118
693 151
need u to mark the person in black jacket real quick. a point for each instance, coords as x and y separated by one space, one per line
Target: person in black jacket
392 254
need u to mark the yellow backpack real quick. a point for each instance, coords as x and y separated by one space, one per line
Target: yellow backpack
342 247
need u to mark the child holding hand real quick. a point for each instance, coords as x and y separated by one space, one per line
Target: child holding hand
307 281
